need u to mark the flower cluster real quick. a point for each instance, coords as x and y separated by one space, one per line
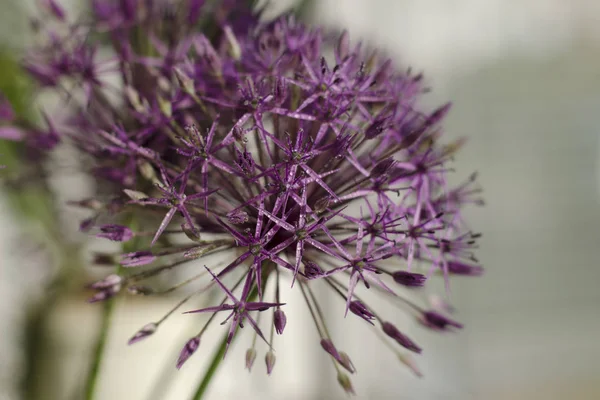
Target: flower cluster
288 153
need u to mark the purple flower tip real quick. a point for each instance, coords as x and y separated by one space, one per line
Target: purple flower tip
250 357
461 268
409 279
86 224
341 358
437 321
358 308
237 217
143 333
137 259
108 282
190 348
279 320
270 361
328 346
116 233
55 9
403 340
347 362
312 270
106 288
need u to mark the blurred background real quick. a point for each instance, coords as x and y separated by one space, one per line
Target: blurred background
524 79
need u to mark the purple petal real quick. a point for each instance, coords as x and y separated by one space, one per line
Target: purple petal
279 320
409 279
437 321
163 225
137 259
190 348
143 333
270 361
461 268
116 233
250 357
110 281
237 217
403 340
358 308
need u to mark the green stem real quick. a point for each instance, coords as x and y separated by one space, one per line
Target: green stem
99 350
218 358
210 372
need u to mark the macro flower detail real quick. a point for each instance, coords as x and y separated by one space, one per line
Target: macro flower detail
438 321
190 348
403 340
276 153
116 233
409 279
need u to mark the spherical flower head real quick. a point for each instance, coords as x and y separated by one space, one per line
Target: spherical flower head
276 153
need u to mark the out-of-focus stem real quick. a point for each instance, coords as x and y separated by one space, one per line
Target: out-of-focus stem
99 350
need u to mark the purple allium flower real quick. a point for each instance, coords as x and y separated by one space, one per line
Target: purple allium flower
293 156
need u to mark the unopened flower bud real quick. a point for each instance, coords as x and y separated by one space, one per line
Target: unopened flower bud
409 279
190 348
250 357
110 281
186 83
143 333
345 382
408 360
358 308
165 106
346 362
279 320
312 270
235 49
437 321
135 195
116 233
137 259
190 232
237 217
461 268
270 361
403 340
